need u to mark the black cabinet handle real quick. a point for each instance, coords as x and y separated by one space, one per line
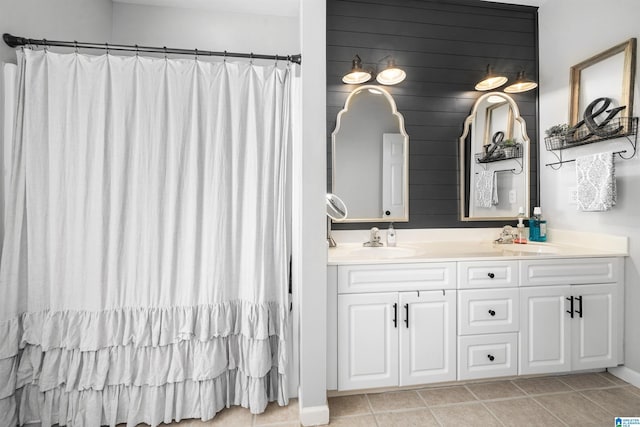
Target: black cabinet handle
570 311
491 275
491 358
579 299
406 319
395 315
387 213
492 313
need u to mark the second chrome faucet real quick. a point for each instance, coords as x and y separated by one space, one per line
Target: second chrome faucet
374 239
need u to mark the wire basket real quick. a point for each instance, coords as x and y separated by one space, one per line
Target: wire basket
501 153
616 128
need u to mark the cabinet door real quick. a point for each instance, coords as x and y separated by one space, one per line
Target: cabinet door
594 331
545 342
427 337
367 340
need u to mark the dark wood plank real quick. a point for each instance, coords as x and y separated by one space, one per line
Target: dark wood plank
444 46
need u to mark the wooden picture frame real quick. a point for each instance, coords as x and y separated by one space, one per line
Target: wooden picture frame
488 128
608 74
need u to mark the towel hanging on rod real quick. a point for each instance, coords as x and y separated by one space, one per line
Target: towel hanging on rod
486 189
596 182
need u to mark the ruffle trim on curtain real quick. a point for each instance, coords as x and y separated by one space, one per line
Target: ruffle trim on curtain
71 367
149 404
143 327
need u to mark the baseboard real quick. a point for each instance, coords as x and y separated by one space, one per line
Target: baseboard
624 373
314 415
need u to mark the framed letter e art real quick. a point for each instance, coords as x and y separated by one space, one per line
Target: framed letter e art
609 74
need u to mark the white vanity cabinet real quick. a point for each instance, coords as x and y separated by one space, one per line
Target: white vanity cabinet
403 324
396 338
571 314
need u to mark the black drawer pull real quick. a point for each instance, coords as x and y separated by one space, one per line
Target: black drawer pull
492 313
491 275
406 319
570 311
491 358
579 299
395 315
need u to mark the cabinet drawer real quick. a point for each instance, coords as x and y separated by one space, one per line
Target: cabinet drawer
487 274
396 277
575 271
484 356
487 311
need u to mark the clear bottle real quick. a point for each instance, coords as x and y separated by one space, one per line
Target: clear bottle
537 226
520 236
391 235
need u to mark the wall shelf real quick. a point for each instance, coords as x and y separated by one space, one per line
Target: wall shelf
513 152
621 127
502 153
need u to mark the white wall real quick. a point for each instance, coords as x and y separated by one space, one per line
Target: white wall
310 262
570 32
205 29
80 20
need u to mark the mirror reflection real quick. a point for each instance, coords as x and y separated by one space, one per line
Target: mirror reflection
494 160
370 157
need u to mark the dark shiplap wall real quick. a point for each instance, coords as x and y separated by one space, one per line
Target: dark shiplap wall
444 46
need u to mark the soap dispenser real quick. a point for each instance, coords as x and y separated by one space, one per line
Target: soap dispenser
520 227
391 235
537 226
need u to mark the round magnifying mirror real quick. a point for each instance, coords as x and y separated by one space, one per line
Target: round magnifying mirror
337 211
336 208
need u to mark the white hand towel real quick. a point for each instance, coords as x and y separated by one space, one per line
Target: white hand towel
486 189
595 175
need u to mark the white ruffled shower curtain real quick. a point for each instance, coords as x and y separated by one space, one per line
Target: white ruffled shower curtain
144 273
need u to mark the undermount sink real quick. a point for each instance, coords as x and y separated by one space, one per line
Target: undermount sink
532 248
384 252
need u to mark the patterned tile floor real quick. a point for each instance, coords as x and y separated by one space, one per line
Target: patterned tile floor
591 399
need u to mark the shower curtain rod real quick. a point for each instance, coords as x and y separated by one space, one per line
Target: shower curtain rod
15 41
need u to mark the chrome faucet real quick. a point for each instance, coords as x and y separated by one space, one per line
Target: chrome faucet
330 241
506 236
374 239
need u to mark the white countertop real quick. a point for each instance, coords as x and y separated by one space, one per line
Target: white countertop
470 244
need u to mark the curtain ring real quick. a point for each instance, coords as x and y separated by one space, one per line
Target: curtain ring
165 52
251 58
276 60
196 54
107 47
75 46
137 51
224 59
45 45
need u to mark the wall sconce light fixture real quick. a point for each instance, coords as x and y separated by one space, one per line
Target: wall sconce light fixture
491 80
391 75
522 84
357 74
